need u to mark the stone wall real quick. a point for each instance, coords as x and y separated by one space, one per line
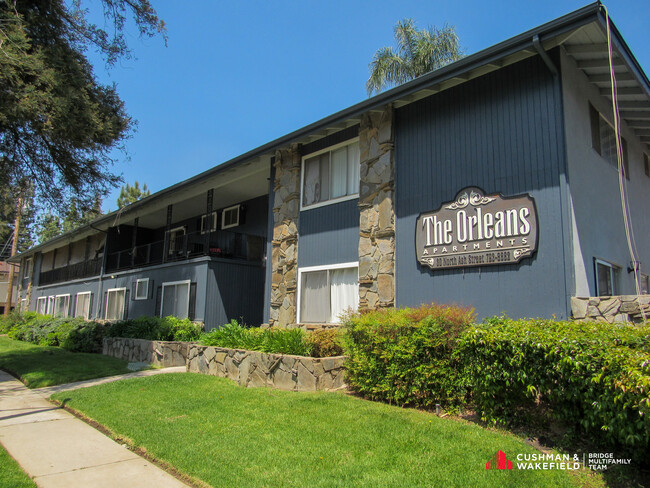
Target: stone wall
284 256
254 369
377 211
159 353
619 309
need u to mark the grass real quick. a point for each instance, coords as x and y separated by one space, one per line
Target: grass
39 366
11 475
225 435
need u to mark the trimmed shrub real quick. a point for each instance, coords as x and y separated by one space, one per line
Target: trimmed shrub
325 343
156 329
407 356
279 341
593 377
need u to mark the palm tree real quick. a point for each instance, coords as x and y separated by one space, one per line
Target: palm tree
418 52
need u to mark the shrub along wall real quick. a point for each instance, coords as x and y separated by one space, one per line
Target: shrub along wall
593 377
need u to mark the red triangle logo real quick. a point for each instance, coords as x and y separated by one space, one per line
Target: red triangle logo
499 461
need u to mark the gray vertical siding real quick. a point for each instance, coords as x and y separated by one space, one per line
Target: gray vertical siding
329 234
235 290
502 132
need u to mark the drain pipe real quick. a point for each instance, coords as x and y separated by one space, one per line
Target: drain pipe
545 57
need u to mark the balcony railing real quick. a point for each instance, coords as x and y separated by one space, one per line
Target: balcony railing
75 271
222 244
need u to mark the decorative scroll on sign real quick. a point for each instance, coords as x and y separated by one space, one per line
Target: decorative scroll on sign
477 230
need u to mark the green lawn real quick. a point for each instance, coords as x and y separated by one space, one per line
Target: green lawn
39 366
11 476
215 431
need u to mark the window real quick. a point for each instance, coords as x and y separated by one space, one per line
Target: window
61 306
606 274
82 308
142 289
603 140
208 223
230 217
326 292
331 175
175 299
176 238
41 305
115 302
50 306
28 268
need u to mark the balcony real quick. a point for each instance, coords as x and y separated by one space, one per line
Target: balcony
85 269
221 244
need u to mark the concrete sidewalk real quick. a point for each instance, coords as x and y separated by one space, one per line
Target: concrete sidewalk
58 450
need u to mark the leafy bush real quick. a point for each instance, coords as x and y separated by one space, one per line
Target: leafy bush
593 377
273 340
325 343
156 329
74 334
407 356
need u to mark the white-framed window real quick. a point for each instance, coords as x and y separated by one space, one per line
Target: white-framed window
28 268
176 240
230 217
24 305
115 304
603 139
330 175
82 307
50 306
175 299
41 305
325 292
606 274
208 222
62 306
141 289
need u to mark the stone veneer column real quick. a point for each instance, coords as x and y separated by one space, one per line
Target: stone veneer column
284 257
377 211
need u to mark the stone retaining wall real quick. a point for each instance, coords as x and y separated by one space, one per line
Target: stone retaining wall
254 369
159 353
616 309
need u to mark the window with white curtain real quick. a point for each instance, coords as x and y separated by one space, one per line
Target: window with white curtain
327 292
175 299
61 306
41 305
82 307
115 301
331 175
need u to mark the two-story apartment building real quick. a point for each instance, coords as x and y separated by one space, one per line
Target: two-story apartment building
493 182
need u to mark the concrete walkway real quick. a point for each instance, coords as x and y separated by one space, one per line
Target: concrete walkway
58 450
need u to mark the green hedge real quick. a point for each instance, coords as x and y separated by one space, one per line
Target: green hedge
73 334
156 329
79 335
593 377
275 340
407 356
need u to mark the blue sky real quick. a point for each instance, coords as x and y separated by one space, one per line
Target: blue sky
238 74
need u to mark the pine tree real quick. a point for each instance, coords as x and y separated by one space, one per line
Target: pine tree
130 194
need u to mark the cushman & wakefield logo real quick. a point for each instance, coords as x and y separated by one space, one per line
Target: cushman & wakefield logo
477 230
537 461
